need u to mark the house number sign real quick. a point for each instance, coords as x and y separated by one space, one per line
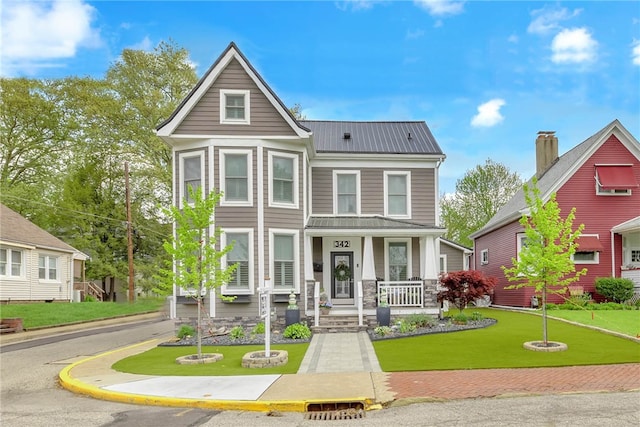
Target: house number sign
341 244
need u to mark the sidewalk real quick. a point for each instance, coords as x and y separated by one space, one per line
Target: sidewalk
352 376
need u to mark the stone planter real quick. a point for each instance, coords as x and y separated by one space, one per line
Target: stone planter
291 316
192 359
383 316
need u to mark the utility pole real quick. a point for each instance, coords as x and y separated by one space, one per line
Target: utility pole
129 231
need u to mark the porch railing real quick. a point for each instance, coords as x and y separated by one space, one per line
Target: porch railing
402 293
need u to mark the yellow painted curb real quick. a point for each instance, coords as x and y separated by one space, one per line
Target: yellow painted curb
79 387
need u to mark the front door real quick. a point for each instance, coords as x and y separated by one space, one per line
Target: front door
342 277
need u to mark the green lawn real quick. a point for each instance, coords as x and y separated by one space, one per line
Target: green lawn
52 314
161 361
623 321
500 346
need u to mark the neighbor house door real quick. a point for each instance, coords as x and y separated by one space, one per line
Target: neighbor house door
342 272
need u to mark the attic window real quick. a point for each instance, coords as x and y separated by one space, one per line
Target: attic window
234 107
615 179
347 135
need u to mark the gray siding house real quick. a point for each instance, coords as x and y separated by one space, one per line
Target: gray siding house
306 201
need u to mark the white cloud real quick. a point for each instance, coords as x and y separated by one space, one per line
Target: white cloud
35 31
548 19
441 7
635 52
574 45
414 34
513 38
144 44
488 113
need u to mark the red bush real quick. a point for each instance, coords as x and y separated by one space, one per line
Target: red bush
463 287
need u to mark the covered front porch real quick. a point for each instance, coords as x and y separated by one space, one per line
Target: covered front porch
352 261
629 234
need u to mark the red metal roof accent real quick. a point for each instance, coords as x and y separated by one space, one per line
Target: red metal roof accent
616 177
589 244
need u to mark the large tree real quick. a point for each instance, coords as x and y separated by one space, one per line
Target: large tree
544 262
478 196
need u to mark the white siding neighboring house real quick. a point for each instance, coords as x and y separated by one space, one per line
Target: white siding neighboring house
34 264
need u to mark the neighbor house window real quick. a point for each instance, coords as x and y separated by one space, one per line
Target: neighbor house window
234 107
397 191
588 249
191 174
443 263
484 257
615 180
11 263
346 190
242 256
398 259
284 253
283 179
236 177
47 267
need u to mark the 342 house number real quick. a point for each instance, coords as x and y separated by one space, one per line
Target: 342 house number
341 244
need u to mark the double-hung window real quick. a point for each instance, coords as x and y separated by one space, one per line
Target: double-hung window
191 174
11 263
283 180
47 267
236 178
284 253
398 259
397 191
234 106
242 256
346 190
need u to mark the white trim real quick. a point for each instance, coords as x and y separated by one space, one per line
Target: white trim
407 175
296 259
375 161
181 158
223 107
519 246
337 172
295 189
222 153
260 209
484 257
251 256
444 266
408 242
211 171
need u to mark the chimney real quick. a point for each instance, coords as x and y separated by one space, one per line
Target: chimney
546 151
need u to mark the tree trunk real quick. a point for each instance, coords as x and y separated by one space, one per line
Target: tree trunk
544 315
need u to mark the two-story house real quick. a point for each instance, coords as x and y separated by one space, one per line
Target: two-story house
599 177
307 201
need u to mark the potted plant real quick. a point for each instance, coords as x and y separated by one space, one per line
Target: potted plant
383 311
292 313
325 306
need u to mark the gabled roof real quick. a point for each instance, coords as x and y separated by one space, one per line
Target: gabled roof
456 245
14 228
373 137
166 128
559 173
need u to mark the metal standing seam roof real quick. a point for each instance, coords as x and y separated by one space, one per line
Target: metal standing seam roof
361 223
17 229
402 137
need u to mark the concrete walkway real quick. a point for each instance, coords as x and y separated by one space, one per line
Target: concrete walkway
340 352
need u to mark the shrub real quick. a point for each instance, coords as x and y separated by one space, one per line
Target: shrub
382 330
185 331
614 288
552 306
465 286
297 331
460 319
420 320
405 327
236 333
258 329
476 316
89 298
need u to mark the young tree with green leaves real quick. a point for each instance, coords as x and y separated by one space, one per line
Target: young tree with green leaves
197 263
544 262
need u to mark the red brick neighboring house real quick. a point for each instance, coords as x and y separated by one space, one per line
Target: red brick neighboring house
600 178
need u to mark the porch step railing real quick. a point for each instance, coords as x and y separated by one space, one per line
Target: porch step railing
407 293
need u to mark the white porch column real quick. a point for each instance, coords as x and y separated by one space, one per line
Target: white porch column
429 258
368 264
308 258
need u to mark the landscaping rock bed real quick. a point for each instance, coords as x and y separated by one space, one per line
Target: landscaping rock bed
443 326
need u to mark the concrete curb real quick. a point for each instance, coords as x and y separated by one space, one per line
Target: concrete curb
75 385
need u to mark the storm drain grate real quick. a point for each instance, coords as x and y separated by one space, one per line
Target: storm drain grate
335 411
343 414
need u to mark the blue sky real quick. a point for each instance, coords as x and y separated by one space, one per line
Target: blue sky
486 76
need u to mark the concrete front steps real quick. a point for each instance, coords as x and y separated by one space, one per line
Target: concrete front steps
335 322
